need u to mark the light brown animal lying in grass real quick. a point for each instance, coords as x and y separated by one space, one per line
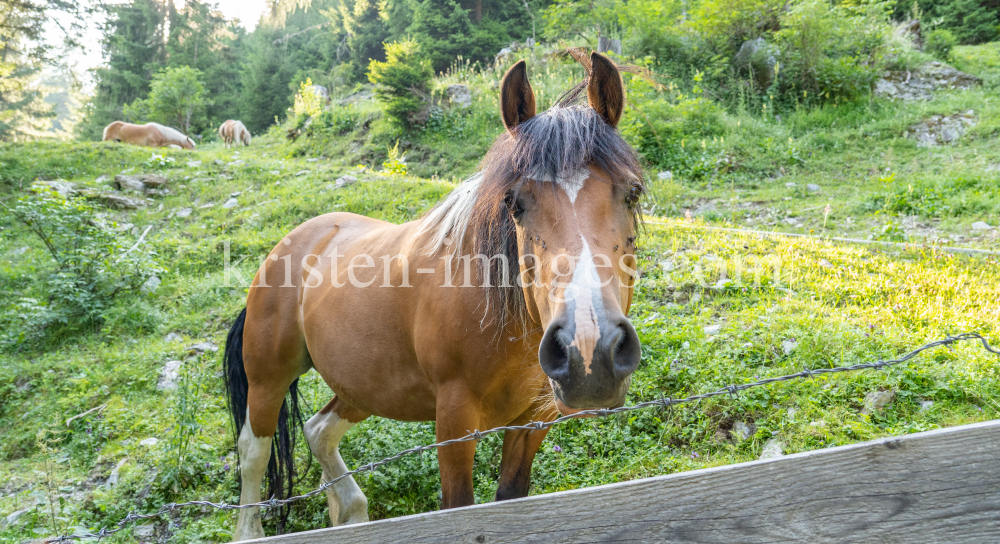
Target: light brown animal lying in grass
148 135
233 132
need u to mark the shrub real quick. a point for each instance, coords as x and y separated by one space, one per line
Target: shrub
403 82
676 135
940 43
93 265
307 102
176 97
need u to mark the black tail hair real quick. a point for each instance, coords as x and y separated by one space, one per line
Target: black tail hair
280 475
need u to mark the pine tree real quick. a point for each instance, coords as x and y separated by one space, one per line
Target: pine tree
23 53
443 30
366 32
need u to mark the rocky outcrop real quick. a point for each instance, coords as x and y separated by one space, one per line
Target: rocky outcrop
919 84
941 129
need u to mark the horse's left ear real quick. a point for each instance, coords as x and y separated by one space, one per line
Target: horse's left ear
517 100
606 92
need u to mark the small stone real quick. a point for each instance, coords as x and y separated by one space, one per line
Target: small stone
202 347
119 201
311 160
301 172
788 346
145 531
231 203
274 172
168 376
819 423
236 194
712 330
11 518
218 162
790 185
209 205
665 176
101 179
812 188
825 263
926 405
183 212
172 337
743 431
115 476
148 441
235 163
790 413
193 164
64 189
981 225
773 449
876 401
150 285
344 181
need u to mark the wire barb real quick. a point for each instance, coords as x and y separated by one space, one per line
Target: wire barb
477 435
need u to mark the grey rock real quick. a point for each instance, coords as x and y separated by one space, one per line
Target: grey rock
459 95
119 201
149 441
193 164
64 189
742 430
665 176
150 285
320 92
172 337
876 401
202 347
124 182
825 263
788 346
12 518
773 449
145 531
344 181
921 83
101 179
235 163
926 405
758 57
231 203
20 251
366 93
981 225
219 162
312 160
712 330
274 172
183 212
301 172
812 188
790 185
115 476
153 180
168 376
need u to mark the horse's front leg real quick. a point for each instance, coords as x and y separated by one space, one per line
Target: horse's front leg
519 449
458 413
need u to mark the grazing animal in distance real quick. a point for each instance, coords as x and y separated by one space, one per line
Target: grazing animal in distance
148 135
233 132
504 304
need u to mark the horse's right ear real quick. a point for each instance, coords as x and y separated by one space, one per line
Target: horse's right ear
517 100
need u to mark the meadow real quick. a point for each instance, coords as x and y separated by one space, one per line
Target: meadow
89 437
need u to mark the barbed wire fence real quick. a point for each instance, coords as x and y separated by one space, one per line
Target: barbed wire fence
475 436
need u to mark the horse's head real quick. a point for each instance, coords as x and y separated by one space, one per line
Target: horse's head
574 208
245 137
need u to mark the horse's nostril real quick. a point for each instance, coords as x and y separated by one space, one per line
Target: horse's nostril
553 353
627 351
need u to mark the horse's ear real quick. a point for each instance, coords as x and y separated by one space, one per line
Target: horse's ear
606 92
517 100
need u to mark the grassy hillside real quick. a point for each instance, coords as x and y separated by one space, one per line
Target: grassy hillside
831 303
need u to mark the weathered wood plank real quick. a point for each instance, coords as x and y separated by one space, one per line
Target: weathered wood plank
938 486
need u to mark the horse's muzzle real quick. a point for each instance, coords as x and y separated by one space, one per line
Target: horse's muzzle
599 379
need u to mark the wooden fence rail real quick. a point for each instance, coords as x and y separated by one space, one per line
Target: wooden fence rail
936 486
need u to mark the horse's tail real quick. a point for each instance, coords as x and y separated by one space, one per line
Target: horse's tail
280 475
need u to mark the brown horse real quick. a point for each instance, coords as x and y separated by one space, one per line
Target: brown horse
234 133
402 323
148 135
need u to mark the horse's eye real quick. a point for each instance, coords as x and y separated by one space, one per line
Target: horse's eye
634 194
513 205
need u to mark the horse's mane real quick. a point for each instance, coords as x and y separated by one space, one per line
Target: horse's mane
551 147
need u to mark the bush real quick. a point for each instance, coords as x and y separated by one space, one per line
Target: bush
403 82
940 43
176 97
93 265
678 136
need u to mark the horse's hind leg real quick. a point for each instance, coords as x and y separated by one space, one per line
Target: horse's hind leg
324 432
255 452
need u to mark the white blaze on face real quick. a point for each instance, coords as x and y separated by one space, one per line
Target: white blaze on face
582 290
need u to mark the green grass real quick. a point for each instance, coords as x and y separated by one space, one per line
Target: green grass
839 304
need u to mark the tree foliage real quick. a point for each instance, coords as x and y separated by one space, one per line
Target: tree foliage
402 80
176 97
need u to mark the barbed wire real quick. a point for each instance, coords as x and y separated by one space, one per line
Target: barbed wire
475 436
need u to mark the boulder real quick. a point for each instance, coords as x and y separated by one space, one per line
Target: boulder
459 95
153 180
919 84
981 225
183 212
168 376
124 182
758 58
116 200
941 129
321 92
